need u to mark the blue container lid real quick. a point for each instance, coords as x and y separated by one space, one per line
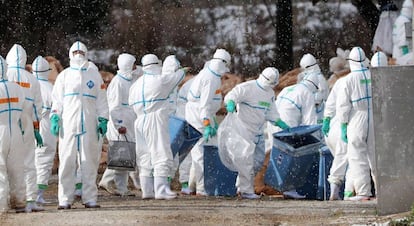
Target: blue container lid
298 131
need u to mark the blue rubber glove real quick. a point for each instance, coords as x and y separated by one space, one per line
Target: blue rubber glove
282 124
54 127
230 106
326 125
102 126
38 138
344 127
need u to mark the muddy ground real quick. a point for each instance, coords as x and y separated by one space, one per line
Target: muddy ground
192 210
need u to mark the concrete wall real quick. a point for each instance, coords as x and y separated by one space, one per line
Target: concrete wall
393 103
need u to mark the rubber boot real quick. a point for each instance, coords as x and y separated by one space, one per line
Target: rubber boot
168 187
147 187
160 184
334 192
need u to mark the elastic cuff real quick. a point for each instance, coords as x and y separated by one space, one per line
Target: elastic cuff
206 122
348 193
36 124
42 186
184 185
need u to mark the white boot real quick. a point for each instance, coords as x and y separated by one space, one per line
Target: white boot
160 184
168 187
40 198
33 207
293 194
334 192
147 187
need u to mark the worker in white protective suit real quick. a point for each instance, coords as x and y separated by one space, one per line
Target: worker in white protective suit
12 153
296 106
402 50
78 185
185 166
204 100
244 125
31 116
44 156
121 120
309 66
79 116
331 128
149 97
354 110
383 34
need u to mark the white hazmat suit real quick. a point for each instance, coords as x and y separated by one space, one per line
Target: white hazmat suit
31 115
204 100
12 152
121 116
80 104
149 97
354 110
247 123
402 48
45 155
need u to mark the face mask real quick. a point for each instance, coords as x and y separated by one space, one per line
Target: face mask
79 59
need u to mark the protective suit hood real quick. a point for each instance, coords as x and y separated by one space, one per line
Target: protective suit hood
125 62
220 63
41 68
16 57
170 65
3 69
357 59
379 59
269 78
151 64
78 60
311 81
308 63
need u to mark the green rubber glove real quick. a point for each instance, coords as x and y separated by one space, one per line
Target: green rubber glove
230 106
209 132
344 127
282 124
54 127
102 125
38 138
326 125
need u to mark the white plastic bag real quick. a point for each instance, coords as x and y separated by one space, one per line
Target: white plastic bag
234 145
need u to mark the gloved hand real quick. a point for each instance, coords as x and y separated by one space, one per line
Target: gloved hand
54 127
102 123
38 138
282 124
344 127
209 131
122 130
326 125
230 106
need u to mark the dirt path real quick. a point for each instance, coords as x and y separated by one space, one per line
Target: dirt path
191 210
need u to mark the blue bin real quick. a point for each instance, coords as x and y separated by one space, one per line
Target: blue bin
182 136
218 179
293 154
317 185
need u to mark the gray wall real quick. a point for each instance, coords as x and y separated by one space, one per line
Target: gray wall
393 103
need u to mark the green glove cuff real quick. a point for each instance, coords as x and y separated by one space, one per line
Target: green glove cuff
230 106
55 118
101 119
281 124
328 119
344 136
